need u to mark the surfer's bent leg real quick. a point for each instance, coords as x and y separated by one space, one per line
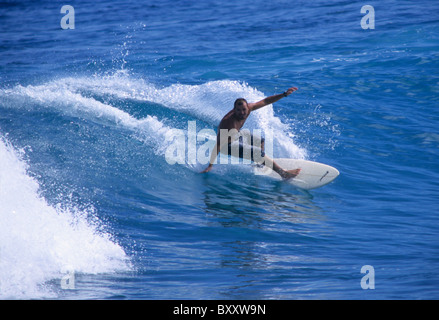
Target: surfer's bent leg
285 174
268 162
256 153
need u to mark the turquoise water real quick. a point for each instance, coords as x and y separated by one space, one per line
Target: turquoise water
85 119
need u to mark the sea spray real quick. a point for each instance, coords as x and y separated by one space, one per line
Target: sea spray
96 97
38 242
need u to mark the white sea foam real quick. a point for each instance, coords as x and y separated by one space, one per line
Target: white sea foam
40 242
208 102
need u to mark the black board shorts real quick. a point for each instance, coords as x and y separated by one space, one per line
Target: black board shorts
246 150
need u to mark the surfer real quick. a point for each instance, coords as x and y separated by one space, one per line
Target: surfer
234 120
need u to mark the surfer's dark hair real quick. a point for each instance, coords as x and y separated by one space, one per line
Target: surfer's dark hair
239 102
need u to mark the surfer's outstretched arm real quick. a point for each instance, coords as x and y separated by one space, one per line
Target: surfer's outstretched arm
270 100
212 160
214 155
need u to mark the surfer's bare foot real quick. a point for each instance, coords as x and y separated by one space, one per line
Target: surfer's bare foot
290 174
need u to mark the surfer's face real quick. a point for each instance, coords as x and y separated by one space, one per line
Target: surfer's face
241 110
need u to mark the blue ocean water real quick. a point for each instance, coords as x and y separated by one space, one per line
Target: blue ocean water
86 193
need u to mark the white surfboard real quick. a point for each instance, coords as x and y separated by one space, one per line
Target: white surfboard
312 174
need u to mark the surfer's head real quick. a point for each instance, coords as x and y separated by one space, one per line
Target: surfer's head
241 108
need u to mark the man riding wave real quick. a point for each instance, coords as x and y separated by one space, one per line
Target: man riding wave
234 120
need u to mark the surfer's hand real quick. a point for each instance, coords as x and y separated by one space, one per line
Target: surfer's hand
290 91
207 169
